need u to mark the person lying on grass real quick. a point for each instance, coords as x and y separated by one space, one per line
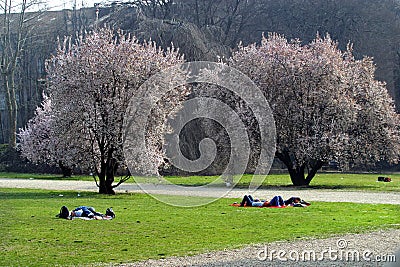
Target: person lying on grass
296 202
276 201
85 212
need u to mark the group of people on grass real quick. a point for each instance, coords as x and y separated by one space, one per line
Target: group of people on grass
276 201
247 201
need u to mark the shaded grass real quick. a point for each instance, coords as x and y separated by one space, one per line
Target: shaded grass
340 181
145 228
45 176
345 181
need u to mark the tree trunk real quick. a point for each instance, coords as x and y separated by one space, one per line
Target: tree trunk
297 176
66 171
102 183
12 142
2 134
296 173
12 42
109 181
314 167
11 104
105 186
107 175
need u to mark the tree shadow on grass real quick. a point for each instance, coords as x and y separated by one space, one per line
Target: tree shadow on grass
287 187
309 187
9 194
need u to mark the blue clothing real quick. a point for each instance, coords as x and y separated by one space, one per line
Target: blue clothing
257 203
87 211
276 201
249 201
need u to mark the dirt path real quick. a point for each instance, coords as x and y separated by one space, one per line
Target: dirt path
307 194
360 250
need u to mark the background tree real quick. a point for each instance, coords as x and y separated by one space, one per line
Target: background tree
39 143
16 25
327 105
198 28
90 84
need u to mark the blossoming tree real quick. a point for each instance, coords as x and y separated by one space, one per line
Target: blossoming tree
38 141
327 105
90 84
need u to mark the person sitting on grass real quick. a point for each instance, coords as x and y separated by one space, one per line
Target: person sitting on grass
85 212
248 200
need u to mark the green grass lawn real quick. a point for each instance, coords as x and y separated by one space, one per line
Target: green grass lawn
45 176
145 228
345 181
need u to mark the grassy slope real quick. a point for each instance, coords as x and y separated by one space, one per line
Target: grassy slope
145 228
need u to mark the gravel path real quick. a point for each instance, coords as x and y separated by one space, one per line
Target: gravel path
370 249
215 192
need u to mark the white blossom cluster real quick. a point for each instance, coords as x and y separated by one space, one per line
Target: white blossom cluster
327 105
90 84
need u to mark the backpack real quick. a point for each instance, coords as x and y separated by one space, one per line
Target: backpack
384 179
64 212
